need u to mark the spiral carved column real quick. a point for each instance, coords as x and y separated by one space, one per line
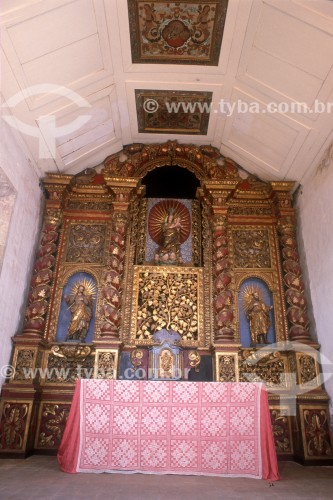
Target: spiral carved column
40 288
113 279
294 292
223 294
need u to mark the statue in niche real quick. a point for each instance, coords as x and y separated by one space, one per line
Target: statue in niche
80 303
257 312
169 250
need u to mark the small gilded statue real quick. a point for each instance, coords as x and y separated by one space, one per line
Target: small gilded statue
257 312
169 250
80 303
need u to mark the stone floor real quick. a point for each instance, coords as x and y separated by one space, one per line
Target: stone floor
39 477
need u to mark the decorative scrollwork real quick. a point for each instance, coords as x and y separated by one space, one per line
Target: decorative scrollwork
24 364
86 243
53 422
308 372
106 365
317 433
12 427
194 359
226 368
69 363
257 366
71 352
281 430
251 248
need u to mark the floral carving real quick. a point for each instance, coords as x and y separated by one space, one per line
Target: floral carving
86 243
167 301
12 427
54 418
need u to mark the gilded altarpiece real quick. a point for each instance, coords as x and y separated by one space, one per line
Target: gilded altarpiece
114 269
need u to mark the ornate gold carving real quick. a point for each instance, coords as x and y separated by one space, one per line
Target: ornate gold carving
250 210
113 279
106 364
226 367
196 233
52 424
251 248
14 418
308 370
75 352
141 230
294 294
86 243
260 366
136 357
165 364
67 363
40 288
89 205
207 276
136 161
194 359
168 301
281 426
167 297
222 275
24 364
317 437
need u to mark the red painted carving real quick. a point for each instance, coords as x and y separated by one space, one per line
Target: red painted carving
223 295
294 294
40 289
112 279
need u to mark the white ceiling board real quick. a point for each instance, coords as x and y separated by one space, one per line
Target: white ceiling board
34 38
277 51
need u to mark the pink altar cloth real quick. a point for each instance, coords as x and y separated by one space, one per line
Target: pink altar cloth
169 427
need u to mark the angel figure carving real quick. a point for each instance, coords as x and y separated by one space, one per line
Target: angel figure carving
80 303
257 312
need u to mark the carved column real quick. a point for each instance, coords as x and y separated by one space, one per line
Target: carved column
222 280
114 275
218 193
225 346
113 279
292 272
41 282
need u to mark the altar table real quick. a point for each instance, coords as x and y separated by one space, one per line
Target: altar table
169 427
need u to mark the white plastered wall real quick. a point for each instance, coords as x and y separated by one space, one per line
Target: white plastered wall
21 239
315 212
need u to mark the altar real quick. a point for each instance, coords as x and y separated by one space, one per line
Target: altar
136 285
169 427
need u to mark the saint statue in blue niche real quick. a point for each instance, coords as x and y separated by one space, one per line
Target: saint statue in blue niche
258 314
80 302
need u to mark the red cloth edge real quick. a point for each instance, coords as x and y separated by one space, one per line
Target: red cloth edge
70 444
270 469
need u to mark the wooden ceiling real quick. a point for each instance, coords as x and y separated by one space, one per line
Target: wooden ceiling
271 51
